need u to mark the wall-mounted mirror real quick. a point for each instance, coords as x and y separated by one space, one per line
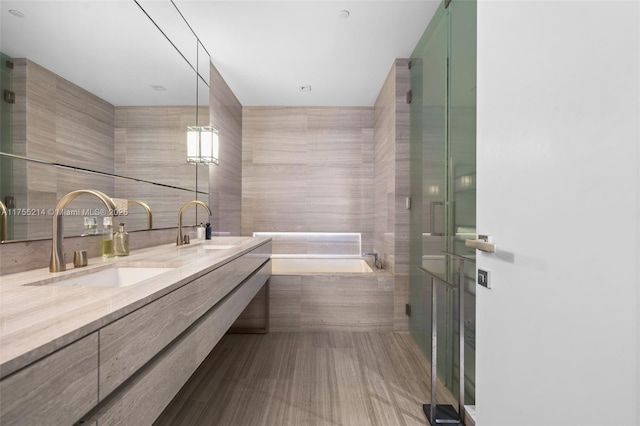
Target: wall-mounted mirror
99 97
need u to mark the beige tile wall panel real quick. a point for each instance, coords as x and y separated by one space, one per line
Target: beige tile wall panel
384 168
335 146
41 112
19 143
391 218
39 226
20 186
368 181
127 344
163 126
402 173
321 118
84 128
346 303
19 117
67 124
275 197
164 202
285 308
141 400
147 136
57 121
308 170
331 302
225 180
56 390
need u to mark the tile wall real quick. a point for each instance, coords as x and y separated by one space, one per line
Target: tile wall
56 121
391 175
225 180
308 170
128 156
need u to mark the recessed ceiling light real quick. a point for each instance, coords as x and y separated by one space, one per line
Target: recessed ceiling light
16 13
305 88
344 14
158 87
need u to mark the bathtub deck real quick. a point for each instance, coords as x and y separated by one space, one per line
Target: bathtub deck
297 379
318 265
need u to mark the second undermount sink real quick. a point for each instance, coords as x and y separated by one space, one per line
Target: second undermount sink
120 276
216 247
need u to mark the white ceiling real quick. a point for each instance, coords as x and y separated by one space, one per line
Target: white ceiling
266 49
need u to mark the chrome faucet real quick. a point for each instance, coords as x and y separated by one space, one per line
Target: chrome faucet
4 223
376 262
147 209
57 263
179 239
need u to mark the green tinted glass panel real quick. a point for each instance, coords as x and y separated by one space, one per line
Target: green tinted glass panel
443 182
462 173
428 172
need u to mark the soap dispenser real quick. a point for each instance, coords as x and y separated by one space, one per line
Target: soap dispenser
201 232
107 237
121 242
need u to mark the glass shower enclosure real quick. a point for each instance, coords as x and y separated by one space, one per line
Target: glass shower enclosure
443 178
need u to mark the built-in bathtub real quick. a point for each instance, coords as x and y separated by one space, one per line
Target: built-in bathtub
306 264
320 282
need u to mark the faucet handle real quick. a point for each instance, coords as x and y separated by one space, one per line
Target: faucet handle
79 258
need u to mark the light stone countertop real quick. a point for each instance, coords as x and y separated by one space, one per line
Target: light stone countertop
36 320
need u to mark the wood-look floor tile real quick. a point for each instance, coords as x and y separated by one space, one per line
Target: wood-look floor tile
186 413
384 409
281 360
311 378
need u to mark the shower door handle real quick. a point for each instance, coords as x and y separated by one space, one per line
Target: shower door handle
432 221
482 243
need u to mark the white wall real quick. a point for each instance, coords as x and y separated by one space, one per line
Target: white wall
558 189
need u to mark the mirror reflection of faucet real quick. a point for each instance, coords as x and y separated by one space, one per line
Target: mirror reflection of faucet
147 209
181 240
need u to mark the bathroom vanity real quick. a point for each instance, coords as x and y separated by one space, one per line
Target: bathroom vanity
83 345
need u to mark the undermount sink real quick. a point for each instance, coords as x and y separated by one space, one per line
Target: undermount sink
120 276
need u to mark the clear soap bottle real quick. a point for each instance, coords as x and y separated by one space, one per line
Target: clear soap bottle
201 232
107 237
121 242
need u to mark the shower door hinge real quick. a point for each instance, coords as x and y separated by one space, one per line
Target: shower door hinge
409 96
407 309
409 65
407 203
9 96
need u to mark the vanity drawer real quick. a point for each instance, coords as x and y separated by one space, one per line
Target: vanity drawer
129 343
56 390
141 400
